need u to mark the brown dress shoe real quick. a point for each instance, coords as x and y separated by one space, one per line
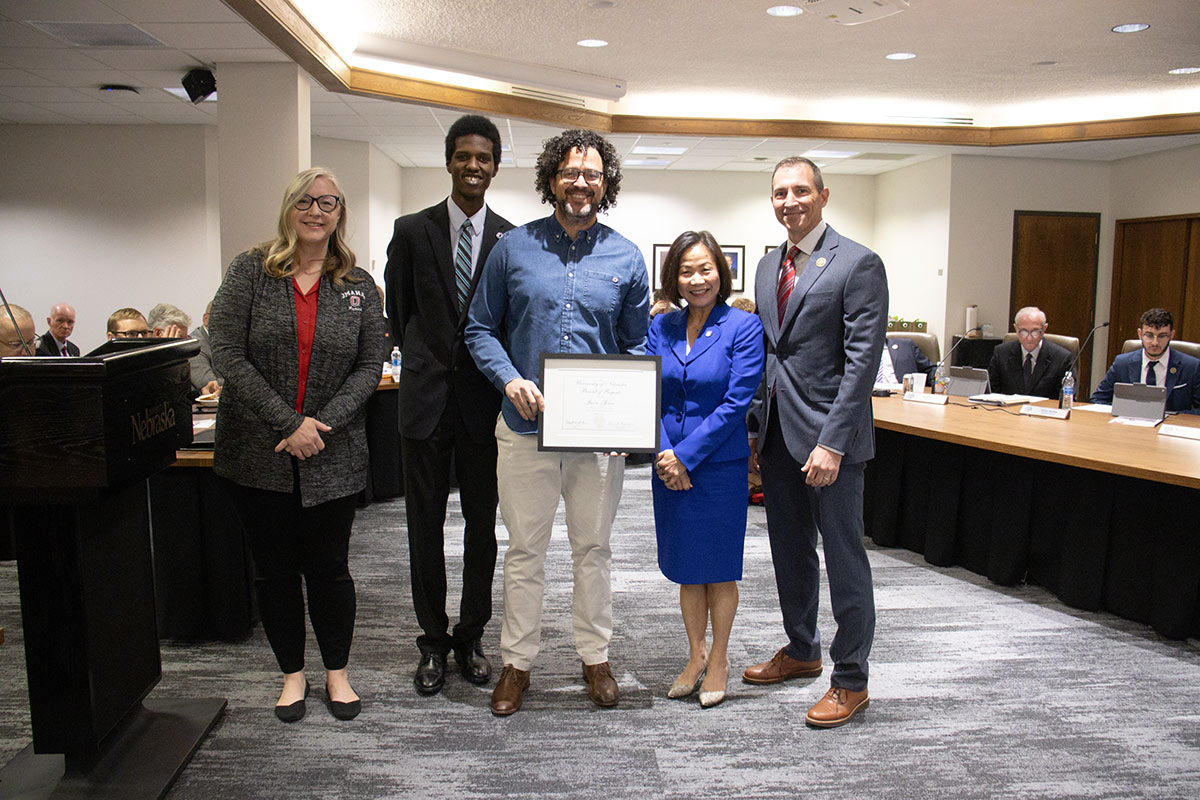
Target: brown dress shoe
836 707
602 686
506 697
781 667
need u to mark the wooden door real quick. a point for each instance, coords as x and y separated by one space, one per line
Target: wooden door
1150 267
1055 257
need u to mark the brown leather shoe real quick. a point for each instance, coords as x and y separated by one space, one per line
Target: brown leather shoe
506 697
780 668
602 686
836 707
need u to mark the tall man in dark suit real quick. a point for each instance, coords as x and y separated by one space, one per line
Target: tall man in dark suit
823 302
447 408
1030 365
60 325
1156 364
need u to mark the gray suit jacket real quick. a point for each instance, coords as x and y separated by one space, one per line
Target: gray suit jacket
201 364
253 330
822 358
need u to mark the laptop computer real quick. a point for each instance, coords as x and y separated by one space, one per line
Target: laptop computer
966 381
1139 401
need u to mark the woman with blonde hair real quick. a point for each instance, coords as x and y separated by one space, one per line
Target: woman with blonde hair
298 332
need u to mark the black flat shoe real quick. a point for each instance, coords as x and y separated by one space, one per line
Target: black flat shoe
431 673
343 711
293 712
473 664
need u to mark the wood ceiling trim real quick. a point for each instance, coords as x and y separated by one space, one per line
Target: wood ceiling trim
288 30
379 84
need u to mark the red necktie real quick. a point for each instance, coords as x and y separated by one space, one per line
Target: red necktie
64 350
787 279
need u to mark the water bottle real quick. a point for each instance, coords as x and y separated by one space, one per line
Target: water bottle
940 379
396 364
1067 398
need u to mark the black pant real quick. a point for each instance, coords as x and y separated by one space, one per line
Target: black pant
426 489
289 541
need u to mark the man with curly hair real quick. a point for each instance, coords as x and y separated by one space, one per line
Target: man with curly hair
561 284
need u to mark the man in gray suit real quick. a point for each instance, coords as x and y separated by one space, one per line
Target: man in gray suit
823 302
204 377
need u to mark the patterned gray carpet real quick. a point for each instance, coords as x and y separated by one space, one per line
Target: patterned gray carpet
977 691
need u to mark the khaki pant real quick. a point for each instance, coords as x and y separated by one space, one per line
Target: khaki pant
530 484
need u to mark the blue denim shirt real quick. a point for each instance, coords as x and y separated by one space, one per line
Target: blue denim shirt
540 292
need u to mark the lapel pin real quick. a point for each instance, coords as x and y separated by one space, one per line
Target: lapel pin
822 261
708 332
1172 370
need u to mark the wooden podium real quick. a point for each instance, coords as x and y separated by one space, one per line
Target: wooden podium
78 439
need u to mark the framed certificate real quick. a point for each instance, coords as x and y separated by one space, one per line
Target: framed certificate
600 403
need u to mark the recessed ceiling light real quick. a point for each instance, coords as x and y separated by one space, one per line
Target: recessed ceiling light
1184 71
901 56
645 162
815 154
785 11
652 150
1045 63
601 4
1130 27
592 43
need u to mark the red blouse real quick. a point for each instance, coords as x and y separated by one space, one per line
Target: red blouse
306 324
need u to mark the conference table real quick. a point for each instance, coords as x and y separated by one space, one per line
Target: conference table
1104 515
203 571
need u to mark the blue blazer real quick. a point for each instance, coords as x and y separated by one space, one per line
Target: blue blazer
705 393
1183 379
907 357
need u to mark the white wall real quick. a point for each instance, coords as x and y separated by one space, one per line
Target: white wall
385 189
912 236
349 160
983 196
655 206
107 216
1156 185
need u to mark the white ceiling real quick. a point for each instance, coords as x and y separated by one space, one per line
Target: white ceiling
975 59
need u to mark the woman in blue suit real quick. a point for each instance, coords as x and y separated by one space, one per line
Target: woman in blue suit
712 361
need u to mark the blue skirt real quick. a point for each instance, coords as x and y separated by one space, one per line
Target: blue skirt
701 532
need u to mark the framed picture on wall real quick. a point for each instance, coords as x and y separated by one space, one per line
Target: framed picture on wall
660 255
768 248
736 253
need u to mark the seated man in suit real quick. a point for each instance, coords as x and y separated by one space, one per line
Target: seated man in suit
60 325
901 357
18 340
205 379
127 323
1156 364
1030 365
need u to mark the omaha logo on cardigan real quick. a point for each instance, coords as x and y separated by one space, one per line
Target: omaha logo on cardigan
355 298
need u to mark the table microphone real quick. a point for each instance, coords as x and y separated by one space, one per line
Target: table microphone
1083 347
960 341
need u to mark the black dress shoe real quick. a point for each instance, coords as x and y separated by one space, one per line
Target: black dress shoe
293 712
431 673
473 664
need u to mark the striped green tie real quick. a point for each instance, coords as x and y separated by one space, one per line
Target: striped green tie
462 264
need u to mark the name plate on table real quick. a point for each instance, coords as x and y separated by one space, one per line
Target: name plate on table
600 403
928 399
1045 413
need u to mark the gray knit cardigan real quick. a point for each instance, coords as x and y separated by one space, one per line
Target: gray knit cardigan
253 331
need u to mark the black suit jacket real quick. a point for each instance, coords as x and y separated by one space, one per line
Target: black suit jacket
46 348
1008 376
422 307
907 357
